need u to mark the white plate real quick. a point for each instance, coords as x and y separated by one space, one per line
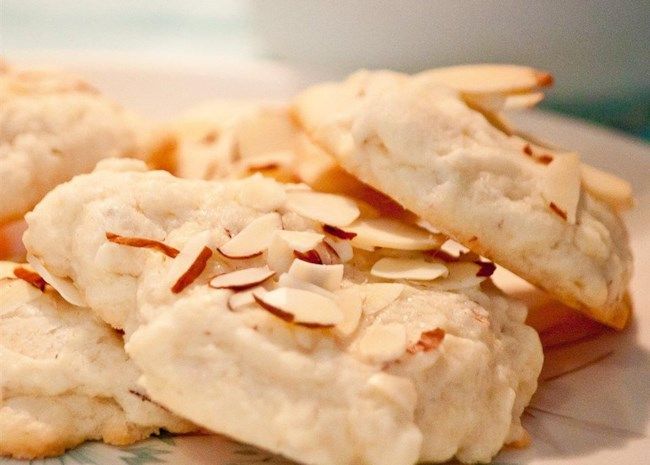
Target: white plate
597 415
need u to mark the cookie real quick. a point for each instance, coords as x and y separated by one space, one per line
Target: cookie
65 376
287 319
53 126
223 139
536 211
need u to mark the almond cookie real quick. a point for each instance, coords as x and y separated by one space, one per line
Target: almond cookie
291 320
539 212
53 126
233 139
65 376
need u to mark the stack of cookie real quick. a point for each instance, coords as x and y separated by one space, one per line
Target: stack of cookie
316 280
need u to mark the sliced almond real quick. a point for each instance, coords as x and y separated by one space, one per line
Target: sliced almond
429 340
338 232
607 187
342 249
499 102
267 161
332 209
242 299
486 269
301 307
326 276
488 78
350 302
286 280
190 262
64 287
301 241
241 279
561 185
254 238
408 268
383 342
522 101
377 296
311 256
141 242
30 277
393 234
15 293
462 275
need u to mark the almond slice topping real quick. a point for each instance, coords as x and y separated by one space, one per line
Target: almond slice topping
489 78
462 275
561 185
64 287
338 232
429 340
301 241
378 296
241 279
190 262
407 268
16 292
326 276
331 209
285 280
311 256
341 248
393 234
30 277
383 343
254 238
239 300
300 307
607 187
284 245
350 302
141 242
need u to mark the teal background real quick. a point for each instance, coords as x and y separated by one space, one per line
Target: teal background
229 28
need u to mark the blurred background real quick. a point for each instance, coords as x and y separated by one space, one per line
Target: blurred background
599 51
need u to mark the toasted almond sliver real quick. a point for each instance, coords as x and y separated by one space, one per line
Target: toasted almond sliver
141 242
281 250
16 292
489 78
407 268
64 287
342 248
393 234
242 299
338 232
462 275
31 277
350 302
241 279
607 187
377 296
190 262
326 276
561 185
286 280
331 209
429 340
383 342
301 307
301 241
254 238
